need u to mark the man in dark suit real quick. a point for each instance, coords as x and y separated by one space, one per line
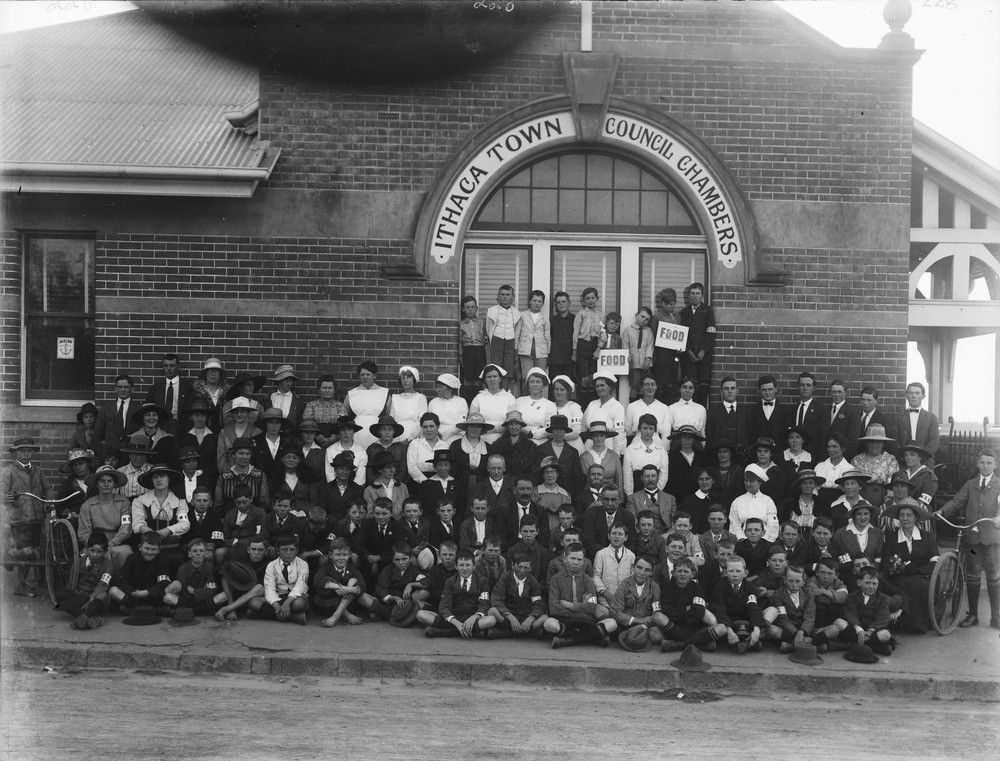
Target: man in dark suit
838 417
767 418
591 494
497 489
917 424
507 518
172 393
696 361
728 419
806 414
598 519
869 414
114 419
663 506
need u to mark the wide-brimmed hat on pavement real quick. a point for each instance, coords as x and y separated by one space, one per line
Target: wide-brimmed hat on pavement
404 615
106 470
691 660
183 617
806 655
142 615
240 575
635 639
861 654
75 455
397 429
164 414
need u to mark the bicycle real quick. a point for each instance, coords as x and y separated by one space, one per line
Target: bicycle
59 548
947 593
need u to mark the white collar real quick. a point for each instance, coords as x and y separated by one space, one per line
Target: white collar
854 529
901 537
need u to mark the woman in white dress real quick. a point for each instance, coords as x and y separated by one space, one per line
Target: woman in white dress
450 408
607 409
408 404
562 390
535 408
366 402
493 402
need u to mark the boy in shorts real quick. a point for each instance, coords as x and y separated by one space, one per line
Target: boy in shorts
338 586
464 604
791 616
683 602
286 585
397 584
90 598
735 606
195 586
575 616
144 576
516 601
243 580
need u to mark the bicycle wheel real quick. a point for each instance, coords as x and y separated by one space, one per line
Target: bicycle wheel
62 558
946 593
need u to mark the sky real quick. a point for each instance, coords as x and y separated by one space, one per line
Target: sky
956 91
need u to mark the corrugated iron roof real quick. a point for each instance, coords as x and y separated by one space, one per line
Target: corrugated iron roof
122 90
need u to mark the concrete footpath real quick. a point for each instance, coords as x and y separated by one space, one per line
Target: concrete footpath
962 666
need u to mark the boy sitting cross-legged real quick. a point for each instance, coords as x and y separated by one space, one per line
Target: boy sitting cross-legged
464 604
516 602
683 602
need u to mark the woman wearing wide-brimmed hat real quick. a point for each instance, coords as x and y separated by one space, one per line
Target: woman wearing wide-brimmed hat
684 461
151 419
840 509
107 513
875 463
79 466
200 436
268 444
85 436
471 454
160 510
925 483
210 387
247 386
243 472
908 559
240 410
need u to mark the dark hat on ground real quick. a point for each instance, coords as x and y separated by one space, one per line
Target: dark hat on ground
598 426
183 617
273 413
283 372
558 422
853 474
476 418
344 460
241 443
75 455
860 654
146 479
635 639
899 477
764 441
404 615
348 421
686 430
24 442
197 404
188 453
922 513
549 462
107 470
240 575
137 416
138 443
795 429
308 425
382 460
806 655
87 407
142 615
442 455
912 446
397 429
237 387
804 475
875 432
691 660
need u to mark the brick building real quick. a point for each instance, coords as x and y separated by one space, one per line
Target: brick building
159 197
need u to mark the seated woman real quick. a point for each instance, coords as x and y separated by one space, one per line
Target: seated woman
908 559
245 386
210 388
422 449
79 466
493 402
407 405
295 477
366 402
728 473
471 455
764 448
607 409
840 509
802 508
857 539
875 463
325 411
795 458
535 407
832 468
150 417
450 408
562 392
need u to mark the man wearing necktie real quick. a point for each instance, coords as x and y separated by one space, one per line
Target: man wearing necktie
649 497
728 420
172 393
114 419
285 585
979 498
809 416
597 520
869 414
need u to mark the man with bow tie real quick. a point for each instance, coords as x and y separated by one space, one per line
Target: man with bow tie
767 418
916 424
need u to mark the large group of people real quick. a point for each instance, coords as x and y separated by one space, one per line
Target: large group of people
532 496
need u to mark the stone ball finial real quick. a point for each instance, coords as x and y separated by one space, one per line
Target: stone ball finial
896 13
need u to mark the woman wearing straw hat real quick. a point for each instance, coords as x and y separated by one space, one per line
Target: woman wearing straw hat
840 509
535 407
162 511
471 454
107 513
240 410
210 388
79 466
408 404
908 559
875 463
246 386
450 408
201 438
267 445
242 472
925 483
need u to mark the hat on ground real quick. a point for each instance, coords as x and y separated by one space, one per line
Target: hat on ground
241 443
449 380
875 432
348 421
442 455
146 479
397 429
899 477
86 408
503 373
382 460
164 414
852 475
805 474
764 441
560 423
549 462
513 416
861 654
412 371
476 418
106 470
912 446
796 429
236 389
273 413
75 455
308 425
25 442
138 443
142 615
686 430
212 363
183 617
539 372
241 576
635 639
404 615
426 559
806 655
691 660
597 427
344 460
922 513
757 471
188 453
197 404
283 372
566 380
